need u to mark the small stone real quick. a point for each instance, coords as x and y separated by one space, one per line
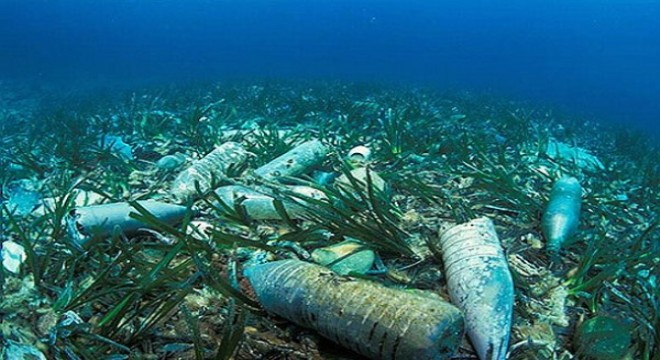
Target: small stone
361 259
170 162
603 338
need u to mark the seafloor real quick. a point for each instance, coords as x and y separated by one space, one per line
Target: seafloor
446 158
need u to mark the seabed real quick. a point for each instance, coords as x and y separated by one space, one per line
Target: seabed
176 291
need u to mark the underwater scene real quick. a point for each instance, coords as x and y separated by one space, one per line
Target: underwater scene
329 180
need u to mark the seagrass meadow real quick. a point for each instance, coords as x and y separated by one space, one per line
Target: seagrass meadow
176 291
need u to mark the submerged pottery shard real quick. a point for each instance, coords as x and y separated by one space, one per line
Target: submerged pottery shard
562 215
295 162
202 173
480 284
366 317
101 220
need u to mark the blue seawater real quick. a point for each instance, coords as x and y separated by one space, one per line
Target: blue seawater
598 58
